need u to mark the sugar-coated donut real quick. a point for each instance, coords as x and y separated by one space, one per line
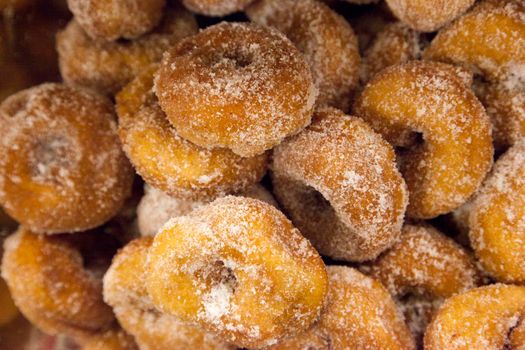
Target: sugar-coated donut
497 218
170 163
359 314
489 318
156 207
339 183
506 109
238 86
112 339
395 43
56 280
62 168
326 39
490 40
114 19
449 162
8 310
125 291
216 7
424 266
108 66
428 15
239 269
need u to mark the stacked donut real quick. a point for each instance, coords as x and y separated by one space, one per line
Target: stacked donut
265 174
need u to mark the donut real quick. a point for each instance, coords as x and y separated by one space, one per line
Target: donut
216 7
483 318
421 270
125 291
115 19
112 339
359 314
506 109
56 280
8 310
229 87
395 43
324 37
497 218
428 15
239 269
339 184
170 163
490 40
156 207
440 129
62 168
109 66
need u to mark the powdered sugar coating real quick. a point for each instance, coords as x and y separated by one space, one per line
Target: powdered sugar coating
506 108
216 7
489 40
359 314
166 160
482 318
238 268
339 183
421 98
497 218
324 37
108 66
125 291
51 285
237 86
62 169
156 207
114 19
428 15
425 263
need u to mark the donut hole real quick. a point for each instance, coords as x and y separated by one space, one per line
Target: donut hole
217 273
410 142
418 310
235 58
51 158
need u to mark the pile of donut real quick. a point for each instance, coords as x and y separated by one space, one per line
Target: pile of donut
264 174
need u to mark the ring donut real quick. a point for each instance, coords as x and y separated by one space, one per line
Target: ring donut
423 269
359 314
170 163
62 167
109 66
454 153
56 280
156 207
228 86
489 318
240 270
325 38
125 292
114 19
497 218
339 183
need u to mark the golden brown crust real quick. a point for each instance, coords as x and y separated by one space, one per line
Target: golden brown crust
444 168
63 169
325 38
428 15
50 285
359 314
125 291
108 66
339 183
114 19
238 86
170 163
497 218
482 318
240 270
